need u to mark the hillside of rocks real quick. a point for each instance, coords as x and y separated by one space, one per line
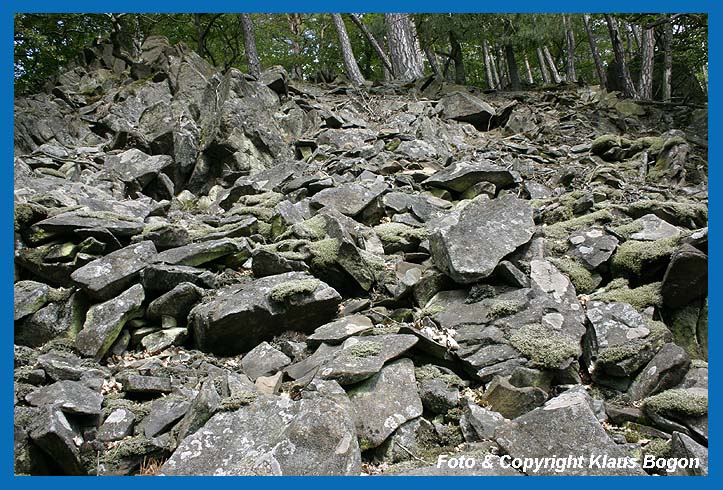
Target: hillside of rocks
218 275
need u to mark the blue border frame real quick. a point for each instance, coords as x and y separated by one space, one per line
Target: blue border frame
8 7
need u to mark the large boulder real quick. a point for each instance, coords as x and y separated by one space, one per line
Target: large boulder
460 176
240 316
469 243
464 107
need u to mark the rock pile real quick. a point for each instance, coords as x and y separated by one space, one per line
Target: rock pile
218 275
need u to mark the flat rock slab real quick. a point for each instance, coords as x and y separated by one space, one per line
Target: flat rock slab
239 317
615 324
54 434
134 166
272 436
653 228
593 247
29 297
104 322
339 330
565 425
199 253
116 426
665 370
163 413
107 276
136 383
69 396
66 223
464 107
384 402
349 199
468 244
263 360
460 176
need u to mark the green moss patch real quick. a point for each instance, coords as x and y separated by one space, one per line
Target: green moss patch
288 289
679 402
545 348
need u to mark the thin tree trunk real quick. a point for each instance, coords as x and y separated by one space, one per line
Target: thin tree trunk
432 60
667 60
570 49
628 87
512 68
595 54
252 56
372 40
645 90
543 67
404 58
456 55
528 71
350 65
551 64
488 65
295 27
417 46
199 33
504 75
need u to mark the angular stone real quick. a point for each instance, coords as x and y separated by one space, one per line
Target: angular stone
69 396
683 447
163 413
105 321
202 408
176 303
200 253
135 167
349 199
460 176
338 331
54 434
384 402
263 360
66 223
437 395
239 317
414 436
664 371
118 425
612 325
272 436
107 276
565 425
511 401
29 297
686 278
163 278
593 247
652 228
469 243
136 383
464 107
479 423
163 339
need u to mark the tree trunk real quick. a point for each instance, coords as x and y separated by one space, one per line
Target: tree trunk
350 66
512 68
502 67
595 54
667 60
528 71
252 56
488 65
372 40
570 49
432 60
404 56
543 68
199 33
295 27
456 55
551 64
617 42
417 45
645 89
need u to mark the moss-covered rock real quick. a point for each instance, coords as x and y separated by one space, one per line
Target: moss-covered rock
289 289
640 298
583 280
545 348
681 402
398 236
633 257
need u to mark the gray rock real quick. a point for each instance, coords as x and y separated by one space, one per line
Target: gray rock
116 426
263 360
565 425
384 402
163 413
66 223
55 435
136 168
683 447
653 228
69 396
437 395
56 320
105 321
665 370
464 107
272 436
349 199
199 253
176 303
511 401
686 278
163 278
29 297
136 383
203 407
479 423
163 339
468 244
414 436
460 176
241 316
339 330
593 247
106 277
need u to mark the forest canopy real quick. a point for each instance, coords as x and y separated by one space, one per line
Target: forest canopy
492 51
